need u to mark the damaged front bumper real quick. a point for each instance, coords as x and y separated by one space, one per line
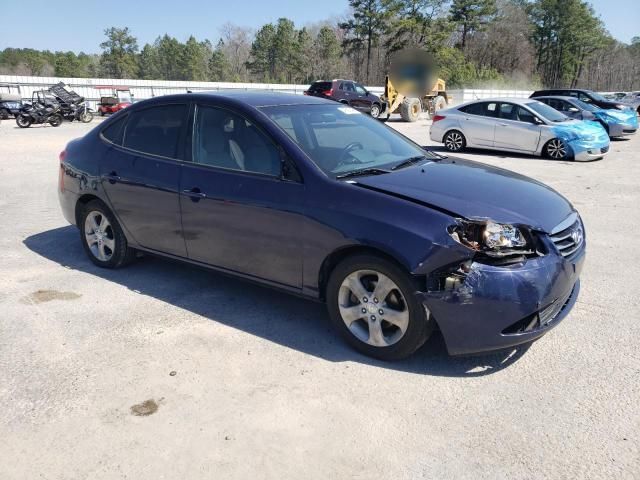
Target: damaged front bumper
495 307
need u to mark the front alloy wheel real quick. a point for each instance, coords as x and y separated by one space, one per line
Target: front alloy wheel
454 141
372 303
375 110
373 308
556 149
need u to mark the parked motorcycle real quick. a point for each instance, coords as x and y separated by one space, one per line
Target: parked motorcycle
38 114
73 112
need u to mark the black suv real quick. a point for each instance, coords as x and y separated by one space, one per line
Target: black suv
586 96
349 92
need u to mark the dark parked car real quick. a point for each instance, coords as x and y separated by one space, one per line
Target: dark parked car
617 123
303 194
348 92
586 96
10 105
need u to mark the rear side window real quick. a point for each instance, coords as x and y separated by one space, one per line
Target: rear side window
113 132
485 109
156 130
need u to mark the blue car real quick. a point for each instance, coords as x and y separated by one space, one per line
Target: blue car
320 200
617 123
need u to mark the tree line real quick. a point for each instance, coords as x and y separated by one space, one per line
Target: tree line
476 43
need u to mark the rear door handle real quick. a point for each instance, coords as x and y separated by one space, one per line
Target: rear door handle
113 177
195 194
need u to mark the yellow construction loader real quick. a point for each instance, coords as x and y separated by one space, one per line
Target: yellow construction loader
410 106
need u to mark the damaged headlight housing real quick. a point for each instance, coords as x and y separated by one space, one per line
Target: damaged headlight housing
492 238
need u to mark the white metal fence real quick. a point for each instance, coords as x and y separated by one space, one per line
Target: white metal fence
141 89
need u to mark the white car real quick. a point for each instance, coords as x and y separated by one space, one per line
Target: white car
518 125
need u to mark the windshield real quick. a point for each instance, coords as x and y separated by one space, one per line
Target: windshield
586 106
124 97
547 112
339 139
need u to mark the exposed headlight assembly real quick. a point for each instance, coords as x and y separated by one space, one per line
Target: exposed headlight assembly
491 238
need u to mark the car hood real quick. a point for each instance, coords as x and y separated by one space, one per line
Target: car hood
586 130
475 191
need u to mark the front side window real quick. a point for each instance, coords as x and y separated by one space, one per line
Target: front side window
224 139
156 130
360 89
348 86
339 139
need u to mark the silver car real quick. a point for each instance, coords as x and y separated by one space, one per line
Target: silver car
519 125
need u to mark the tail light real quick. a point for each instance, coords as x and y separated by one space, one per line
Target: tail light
62 156
437 118
328 93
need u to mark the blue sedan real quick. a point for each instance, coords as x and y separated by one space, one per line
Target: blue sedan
319 200
617 123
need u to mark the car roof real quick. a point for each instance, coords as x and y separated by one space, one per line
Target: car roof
561 88
519 101
559 97
258 98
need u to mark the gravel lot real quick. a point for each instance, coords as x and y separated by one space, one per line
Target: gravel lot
165 371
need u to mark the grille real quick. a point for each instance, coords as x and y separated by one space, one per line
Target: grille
604 149
568 239
629 131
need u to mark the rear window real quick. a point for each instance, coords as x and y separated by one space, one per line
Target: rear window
156 130
320 86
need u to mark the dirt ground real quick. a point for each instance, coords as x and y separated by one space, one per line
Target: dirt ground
165 371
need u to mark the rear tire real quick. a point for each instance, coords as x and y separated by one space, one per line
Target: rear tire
55 120
454 141
439 103
390 327
102 238
410 109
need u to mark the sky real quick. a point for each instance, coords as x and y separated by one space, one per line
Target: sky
78 25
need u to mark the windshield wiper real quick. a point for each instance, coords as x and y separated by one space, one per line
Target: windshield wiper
362 171
409 161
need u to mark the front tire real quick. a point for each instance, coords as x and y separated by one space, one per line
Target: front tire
454 141
86 117
556 149
371 302
102 238
375 110
23 121
410 109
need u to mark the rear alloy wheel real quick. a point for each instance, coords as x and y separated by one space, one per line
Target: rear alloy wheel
102 237
371 301
375 110
454 141
556 149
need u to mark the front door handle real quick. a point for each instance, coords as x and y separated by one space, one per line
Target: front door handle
195 194
504 124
